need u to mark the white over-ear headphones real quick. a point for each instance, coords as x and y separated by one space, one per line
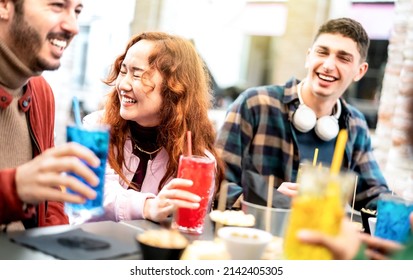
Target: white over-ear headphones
304 119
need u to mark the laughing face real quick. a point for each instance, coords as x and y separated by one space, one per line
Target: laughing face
40 31
333 63
139 86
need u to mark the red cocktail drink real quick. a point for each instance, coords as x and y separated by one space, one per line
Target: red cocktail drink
201 170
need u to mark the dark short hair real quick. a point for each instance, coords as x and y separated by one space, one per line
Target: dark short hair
349 28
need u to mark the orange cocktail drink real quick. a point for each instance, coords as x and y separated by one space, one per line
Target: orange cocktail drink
201 170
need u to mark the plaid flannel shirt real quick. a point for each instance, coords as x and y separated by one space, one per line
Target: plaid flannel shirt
258 127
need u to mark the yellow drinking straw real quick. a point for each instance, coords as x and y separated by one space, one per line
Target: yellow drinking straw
339 152
315 157
333 216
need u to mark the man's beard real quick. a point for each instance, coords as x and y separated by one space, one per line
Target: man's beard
26 44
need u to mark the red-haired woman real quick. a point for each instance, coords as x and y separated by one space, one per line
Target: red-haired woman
160 90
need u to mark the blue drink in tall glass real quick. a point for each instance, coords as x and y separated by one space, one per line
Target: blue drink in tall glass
393 218
97 140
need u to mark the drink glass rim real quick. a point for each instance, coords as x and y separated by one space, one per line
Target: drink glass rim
94 127
261 207
394 197
198 158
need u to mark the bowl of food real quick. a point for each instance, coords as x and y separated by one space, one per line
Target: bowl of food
206 250
278 217
234 218
162 244
243 243
274 250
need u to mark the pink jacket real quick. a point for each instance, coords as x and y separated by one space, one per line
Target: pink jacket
119 202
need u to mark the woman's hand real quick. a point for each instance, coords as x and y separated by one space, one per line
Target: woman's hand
289 189
170 197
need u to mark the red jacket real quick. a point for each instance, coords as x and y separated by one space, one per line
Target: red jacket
40 110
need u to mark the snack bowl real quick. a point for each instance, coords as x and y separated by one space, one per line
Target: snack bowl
162 244
232 218
206 250
243 243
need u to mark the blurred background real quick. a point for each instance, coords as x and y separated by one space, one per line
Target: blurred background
248 43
